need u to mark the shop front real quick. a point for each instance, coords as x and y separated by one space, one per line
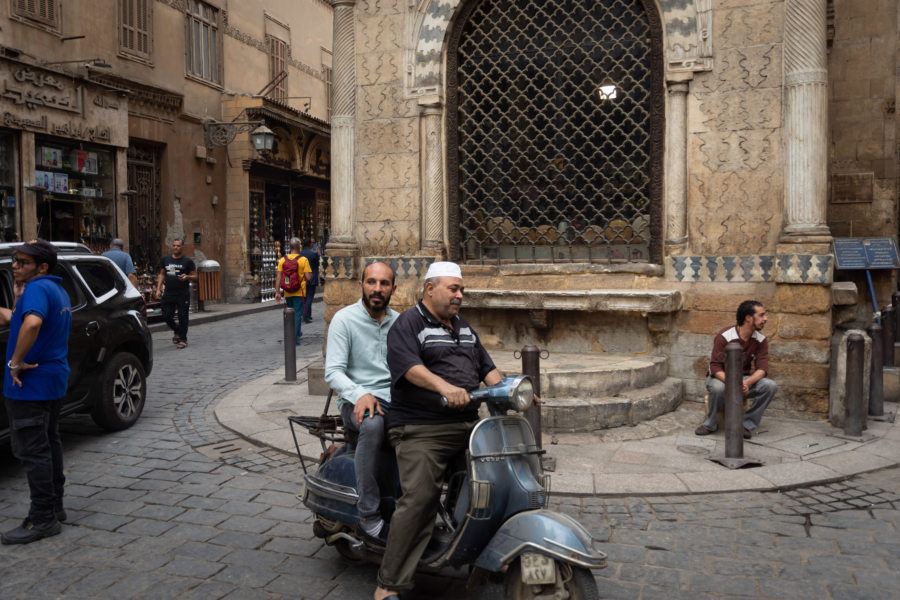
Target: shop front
62 147
289 195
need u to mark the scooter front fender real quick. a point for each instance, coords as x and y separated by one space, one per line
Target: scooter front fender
545 532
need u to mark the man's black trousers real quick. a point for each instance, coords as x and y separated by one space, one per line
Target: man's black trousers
182 306
34 434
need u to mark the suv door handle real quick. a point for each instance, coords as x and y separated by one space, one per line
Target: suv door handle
91 328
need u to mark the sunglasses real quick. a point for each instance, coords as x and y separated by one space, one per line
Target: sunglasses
22 261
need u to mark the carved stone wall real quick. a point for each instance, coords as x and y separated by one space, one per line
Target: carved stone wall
388 171
735 181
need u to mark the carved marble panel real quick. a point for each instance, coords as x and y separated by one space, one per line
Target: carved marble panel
400 204
750 25
388 135
378 67
735 212
744 68
381 7
379 34
735 151
747 109
388 171
387 236
384 101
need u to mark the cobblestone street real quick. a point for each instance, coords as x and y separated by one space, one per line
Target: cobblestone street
180 507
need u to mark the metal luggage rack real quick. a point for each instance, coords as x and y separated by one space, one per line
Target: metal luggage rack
328 428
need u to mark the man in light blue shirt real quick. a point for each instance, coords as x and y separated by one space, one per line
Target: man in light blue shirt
356 369
117 254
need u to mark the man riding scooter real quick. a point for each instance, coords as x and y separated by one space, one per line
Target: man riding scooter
356 368
433 353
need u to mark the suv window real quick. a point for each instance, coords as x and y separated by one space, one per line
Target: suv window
6 287
98 277
68 285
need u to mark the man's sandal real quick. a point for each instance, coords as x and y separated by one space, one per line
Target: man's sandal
175 339
181 344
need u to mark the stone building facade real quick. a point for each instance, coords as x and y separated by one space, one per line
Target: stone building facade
132 87
698 153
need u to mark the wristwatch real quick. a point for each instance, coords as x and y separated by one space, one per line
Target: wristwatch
10 366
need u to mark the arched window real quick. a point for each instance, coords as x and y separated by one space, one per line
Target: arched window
555 114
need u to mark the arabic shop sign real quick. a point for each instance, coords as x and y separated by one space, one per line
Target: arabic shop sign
45 102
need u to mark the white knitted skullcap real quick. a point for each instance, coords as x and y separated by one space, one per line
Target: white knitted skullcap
443 269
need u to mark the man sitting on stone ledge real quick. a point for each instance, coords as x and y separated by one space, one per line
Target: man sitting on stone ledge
751 318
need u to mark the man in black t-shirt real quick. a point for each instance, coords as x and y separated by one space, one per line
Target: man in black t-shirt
176 271
432 353
312 256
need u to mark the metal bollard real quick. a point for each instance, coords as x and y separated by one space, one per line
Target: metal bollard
290 346
734 402
531 366
876 377
853 399
887 332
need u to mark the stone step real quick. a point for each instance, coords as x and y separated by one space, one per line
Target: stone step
589 375
582 413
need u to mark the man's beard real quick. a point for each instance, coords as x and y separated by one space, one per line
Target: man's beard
385 301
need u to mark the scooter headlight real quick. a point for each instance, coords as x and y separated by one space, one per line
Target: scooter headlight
523 395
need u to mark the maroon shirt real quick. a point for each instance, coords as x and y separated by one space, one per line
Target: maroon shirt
755 351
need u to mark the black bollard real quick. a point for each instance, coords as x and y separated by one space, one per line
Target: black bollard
531 366
734 402
290 346
887 332
876 377
853 399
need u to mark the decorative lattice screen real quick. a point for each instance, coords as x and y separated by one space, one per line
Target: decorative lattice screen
549 169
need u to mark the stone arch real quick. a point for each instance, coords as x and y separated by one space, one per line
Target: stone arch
654 126
686 25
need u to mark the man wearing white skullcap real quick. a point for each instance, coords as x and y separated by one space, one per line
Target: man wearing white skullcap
432 353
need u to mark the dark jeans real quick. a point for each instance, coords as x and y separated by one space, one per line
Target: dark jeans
182 305
34 435
307 306
296 303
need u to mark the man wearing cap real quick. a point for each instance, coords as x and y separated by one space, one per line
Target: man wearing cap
356 369
34 383
117 254
432 353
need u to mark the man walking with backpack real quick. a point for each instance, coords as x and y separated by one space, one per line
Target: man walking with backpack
293 272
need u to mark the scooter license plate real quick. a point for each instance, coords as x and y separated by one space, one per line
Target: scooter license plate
537 569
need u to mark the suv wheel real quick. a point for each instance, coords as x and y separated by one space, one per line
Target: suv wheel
123 389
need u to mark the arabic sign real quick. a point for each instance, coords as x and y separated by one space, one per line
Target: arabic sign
866 253
36 100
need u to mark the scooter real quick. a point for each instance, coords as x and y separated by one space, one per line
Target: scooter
492 513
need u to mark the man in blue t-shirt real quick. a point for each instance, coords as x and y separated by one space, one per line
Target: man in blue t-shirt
117 254
37 373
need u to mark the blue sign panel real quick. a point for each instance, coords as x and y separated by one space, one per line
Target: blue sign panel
866 253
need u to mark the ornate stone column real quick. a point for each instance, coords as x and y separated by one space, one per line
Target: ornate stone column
676 161
806 118
343 131
430 115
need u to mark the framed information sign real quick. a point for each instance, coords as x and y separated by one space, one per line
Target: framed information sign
866 254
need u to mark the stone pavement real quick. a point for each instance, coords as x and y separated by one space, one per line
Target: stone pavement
662 456
180 507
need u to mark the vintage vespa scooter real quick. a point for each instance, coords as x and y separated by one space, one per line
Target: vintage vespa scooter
492 515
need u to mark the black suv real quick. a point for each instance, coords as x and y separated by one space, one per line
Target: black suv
110 348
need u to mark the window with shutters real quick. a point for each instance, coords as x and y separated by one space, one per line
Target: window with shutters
136 27
42 11
328 87
278 56
202 41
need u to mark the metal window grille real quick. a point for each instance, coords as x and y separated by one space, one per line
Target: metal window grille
136 26
278 53
550 168
44 11
201 36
